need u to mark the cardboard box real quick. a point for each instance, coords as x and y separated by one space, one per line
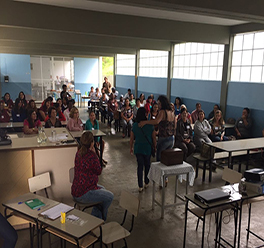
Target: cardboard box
255 187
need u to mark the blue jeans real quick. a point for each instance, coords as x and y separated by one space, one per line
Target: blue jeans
164 143
98 195
126 126
215 138
7 233
143 162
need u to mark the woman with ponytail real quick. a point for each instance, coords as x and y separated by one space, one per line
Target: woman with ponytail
86 171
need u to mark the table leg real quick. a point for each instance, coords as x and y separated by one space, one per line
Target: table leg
176 189
247 160
187 182
153 195
203 229
230 165
163 198
185 225
101 150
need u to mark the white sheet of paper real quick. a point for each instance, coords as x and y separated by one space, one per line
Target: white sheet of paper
55 212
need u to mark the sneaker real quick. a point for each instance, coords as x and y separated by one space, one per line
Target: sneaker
146 185
140 190
105 161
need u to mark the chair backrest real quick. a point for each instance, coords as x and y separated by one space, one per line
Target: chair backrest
39 182
231 176
129 202
71 174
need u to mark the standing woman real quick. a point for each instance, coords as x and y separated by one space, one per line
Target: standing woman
18 112
144 138
86 171
184 138
52 121
167 125
31 124
74 123
93 124
127 116
202 129
177 105
217 127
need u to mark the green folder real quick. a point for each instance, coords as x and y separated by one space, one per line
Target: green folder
35 203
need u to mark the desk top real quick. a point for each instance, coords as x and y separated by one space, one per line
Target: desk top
21 141
78 134
158 170
239 145
234 198
76 229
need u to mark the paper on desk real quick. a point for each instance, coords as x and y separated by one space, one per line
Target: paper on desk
59 137
55 212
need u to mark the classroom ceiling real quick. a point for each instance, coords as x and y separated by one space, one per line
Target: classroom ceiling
161 12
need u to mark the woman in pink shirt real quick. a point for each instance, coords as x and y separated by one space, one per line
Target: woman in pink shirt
74 123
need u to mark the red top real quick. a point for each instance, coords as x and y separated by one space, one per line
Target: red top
61 117
147 107
86 171
36 124
4 116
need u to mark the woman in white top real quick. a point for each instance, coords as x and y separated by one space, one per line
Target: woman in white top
142 100
202 129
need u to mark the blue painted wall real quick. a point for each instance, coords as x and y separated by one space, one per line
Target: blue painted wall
17 67
192 91
124 82
150 85
86 74
244 94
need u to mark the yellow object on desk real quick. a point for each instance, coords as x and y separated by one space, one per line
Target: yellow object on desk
63 217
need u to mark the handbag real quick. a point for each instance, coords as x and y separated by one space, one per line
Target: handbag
207 152
153 152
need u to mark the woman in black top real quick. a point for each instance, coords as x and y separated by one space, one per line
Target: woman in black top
18 113
22 97
52 121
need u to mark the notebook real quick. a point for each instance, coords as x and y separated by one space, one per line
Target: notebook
55 212
34 203
211 195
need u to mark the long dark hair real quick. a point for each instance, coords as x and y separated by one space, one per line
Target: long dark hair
141 115
180 101
165 104
16 110
151 110
30 121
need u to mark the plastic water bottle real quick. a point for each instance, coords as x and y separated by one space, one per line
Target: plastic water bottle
53 135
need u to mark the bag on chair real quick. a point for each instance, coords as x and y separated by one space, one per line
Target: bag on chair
207 152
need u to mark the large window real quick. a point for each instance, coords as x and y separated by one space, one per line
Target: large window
48 74
153 63
125 64
198 61
247 59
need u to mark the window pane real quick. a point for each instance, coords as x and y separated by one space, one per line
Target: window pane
187 48
175 72
192 73
213 73
221 48
199 60
235 74
176 61
219 73
207 48
248 41
236 59
256 72
193 60
186 72
198 73
259 40
246 57
187 60
182 48
214 58
194 48
206 59
200 48
176 49
205 73
214 48
245 74
257 57
238 41
220 58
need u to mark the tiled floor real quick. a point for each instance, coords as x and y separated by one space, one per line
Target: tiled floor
150 230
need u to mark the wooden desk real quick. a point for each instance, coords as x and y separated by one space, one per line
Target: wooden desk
157 174
74 229
96 133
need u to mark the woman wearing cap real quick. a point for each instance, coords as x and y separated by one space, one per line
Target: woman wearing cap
86 171
202 129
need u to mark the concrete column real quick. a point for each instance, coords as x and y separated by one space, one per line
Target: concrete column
136 73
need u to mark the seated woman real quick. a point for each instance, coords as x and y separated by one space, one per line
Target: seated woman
144 137
64 104
212 113
202 129
68 110
86 171
9 104
59 101
135 109
142 100
189 117
18 112
43 111
31 124
93 124
148 104
22 97
112 106
217 127
4 116
127 116
52 121
184 139
74 123
32 106
103 106
153 115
